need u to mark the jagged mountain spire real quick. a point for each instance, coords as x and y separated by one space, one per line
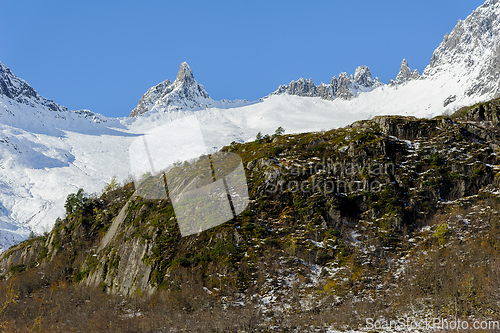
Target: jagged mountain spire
406 74
343 86
363 77
184 93
185 74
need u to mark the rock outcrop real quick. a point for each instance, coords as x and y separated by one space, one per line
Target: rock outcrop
363 77
300 87
343 87
404 73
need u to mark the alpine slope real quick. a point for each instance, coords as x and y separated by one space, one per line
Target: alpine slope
48 151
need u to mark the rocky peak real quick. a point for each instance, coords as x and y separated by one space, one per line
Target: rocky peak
343 87
184 93
363 77
404 73
415 75
472 49
20 91
185 74
301 87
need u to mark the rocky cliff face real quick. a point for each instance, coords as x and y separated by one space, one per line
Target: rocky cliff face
18 90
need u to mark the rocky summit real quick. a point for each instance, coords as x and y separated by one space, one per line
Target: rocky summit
405 74
472 49
184 92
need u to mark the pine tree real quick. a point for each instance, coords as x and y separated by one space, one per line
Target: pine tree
75 201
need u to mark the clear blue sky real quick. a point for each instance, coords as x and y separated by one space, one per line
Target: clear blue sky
103 55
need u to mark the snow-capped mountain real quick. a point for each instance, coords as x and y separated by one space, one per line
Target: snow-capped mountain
44 155
471 52
345 87
468 58
184 93
47 151
18 90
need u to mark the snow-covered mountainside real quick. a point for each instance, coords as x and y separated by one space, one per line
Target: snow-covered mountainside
467 63
47 151
18 90
184 93
472 52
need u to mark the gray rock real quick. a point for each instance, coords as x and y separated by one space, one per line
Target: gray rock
300 88
363 77
415 75
325 91
343 87
404 74
450 99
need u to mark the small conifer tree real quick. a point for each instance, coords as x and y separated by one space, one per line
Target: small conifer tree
75 201
279 131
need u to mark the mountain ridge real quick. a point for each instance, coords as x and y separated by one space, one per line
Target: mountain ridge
472 41
475 40
469 55
19 90
43 150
